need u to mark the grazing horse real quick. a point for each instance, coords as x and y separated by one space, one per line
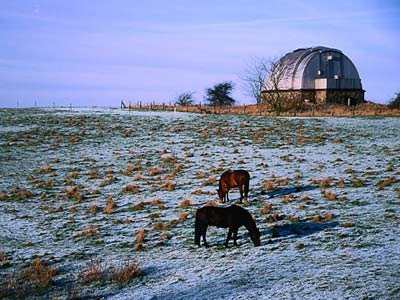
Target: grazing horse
231 217
230 179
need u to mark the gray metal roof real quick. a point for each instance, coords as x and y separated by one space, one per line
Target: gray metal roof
316 67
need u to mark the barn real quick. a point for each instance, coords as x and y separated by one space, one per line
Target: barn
317 75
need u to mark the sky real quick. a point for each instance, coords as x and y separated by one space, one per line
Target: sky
97 53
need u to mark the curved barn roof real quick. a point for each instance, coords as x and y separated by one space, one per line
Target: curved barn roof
318 67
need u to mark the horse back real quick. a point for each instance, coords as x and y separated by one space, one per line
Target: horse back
232 216
234 178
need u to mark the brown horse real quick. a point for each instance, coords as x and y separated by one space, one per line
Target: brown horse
231 217
231 179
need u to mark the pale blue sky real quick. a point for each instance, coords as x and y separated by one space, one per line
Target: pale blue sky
99 52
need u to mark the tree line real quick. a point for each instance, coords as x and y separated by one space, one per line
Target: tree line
260 76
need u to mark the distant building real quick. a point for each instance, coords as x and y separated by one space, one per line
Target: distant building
319 75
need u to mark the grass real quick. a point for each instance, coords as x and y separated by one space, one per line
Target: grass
329 195
185 203
22 193
31 281
131 188
124 272
139 238
385 182
168 185
4 262
94 271
267 208
93 230
110 205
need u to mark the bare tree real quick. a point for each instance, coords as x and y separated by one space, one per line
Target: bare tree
273 94
255 77
264 80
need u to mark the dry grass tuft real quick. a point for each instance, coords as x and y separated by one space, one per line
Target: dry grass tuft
139 205
201 192
73 193
330 195
340 182
168 185
21 193
110 205
212 203
267 208
164 236
4 196
322 183
159 226
200 175
139 238
347 224
154 171
93 230
328 216
268 186
157 202
130 168
182 216
46 170
210 181
357 182
93 209
131 188
287 198
4 263
185 203
385 182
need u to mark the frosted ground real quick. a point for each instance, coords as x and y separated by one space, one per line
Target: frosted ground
330 225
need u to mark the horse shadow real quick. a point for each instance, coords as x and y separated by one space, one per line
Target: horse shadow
296 230
287 190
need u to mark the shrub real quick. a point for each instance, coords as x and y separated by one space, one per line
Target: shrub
37 275
94 271
125 272
395 102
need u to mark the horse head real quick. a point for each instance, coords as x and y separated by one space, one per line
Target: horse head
255 237
221 195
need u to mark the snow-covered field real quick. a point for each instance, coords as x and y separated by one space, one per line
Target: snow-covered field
330 226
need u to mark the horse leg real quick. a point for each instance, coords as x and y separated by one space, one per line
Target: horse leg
227 195
204 231
229 236
241 192
235 233
197 235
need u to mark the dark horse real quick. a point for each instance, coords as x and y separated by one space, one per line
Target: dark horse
232 217
231 179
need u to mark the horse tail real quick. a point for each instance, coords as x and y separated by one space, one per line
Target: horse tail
247 186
